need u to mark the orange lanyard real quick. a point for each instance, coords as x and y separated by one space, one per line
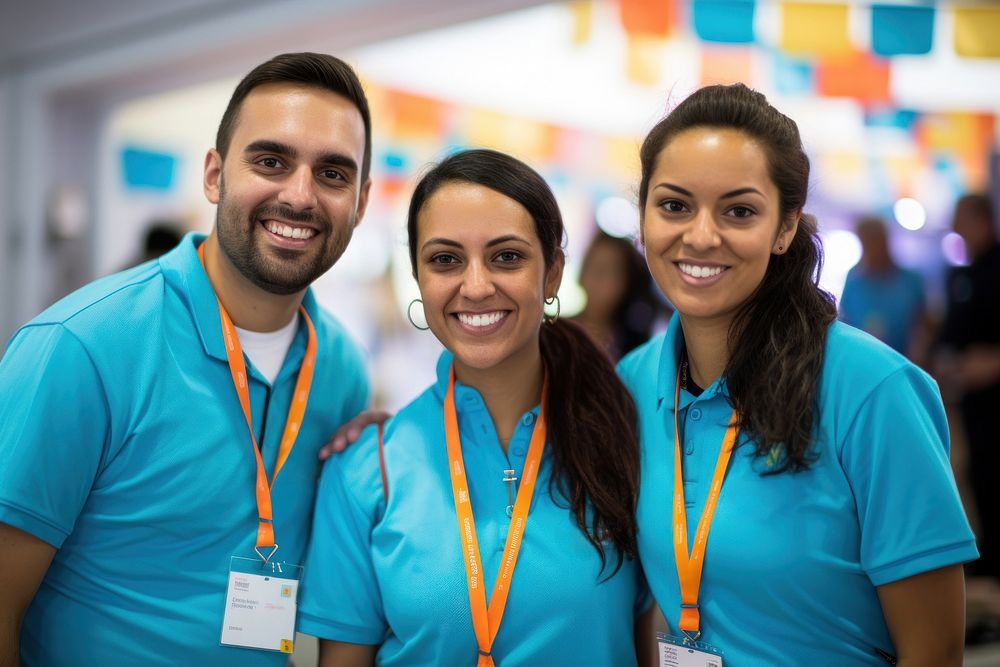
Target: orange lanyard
486 621
234 352
689 568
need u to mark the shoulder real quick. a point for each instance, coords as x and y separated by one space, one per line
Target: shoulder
856 365
854 275
639 367
336 343
407 437
106 312
114 295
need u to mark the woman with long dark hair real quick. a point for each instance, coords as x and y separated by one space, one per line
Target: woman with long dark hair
622 305
812 458
497 523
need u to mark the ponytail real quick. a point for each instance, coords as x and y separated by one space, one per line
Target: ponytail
592 430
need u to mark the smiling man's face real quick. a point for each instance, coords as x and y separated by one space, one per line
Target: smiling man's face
288 191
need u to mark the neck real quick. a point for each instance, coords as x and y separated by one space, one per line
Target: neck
249 306
707 345
509 389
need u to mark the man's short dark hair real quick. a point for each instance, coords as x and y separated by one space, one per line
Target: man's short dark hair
310 69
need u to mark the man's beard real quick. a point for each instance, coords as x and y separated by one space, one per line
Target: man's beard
238 239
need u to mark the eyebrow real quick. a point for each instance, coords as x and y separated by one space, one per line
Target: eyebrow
732 193
455 244
271 146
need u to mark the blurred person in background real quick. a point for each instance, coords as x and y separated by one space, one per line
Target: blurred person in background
811 457
526 414
139 411
161 237
621 306
883 298
968 364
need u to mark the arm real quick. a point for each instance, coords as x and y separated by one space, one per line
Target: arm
979 366
26 559
351 431
645 637
342 654
926 617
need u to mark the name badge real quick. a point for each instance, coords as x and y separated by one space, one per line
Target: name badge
261 602
682 652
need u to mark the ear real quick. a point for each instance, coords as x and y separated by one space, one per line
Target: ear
553 276
787 233
212 178
363 201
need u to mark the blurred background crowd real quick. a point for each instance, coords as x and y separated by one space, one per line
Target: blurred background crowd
108 107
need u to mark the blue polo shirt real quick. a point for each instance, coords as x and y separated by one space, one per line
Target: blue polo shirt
888 305
793 560
123 445
392 573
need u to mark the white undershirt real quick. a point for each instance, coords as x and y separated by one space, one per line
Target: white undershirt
266 350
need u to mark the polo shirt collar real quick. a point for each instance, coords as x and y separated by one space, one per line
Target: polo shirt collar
666 381
183 271
441 384
471 408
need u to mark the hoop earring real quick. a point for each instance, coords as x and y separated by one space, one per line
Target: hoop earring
409 315
548 302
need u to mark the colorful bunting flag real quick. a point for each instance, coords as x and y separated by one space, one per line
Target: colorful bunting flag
720 64
650 18
902 29
815 29
861 76
727 21
977 31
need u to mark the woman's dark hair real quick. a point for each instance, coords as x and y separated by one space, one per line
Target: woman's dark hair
591 417
317 70
777 338
639 307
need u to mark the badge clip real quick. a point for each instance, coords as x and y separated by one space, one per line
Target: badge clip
266 558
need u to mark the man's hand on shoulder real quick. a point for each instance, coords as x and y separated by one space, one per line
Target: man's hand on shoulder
351 431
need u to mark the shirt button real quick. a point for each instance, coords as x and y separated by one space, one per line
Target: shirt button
518 451
528 419
469 399
689 449
696 414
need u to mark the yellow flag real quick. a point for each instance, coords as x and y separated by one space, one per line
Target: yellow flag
815 29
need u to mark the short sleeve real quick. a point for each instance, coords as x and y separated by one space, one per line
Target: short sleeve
340 594
53 432
896 459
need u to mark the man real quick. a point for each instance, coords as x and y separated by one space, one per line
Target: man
969 364
134 499
883 298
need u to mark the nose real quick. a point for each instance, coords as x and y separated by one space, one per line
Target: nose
299 191
477 283
702 233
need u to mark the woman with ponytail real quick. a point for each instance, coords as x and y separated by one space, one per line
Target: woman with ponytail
812 459
496 524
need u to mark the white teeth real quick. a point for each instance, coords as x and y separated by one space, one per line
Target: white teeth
290 232
696 271
481 320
